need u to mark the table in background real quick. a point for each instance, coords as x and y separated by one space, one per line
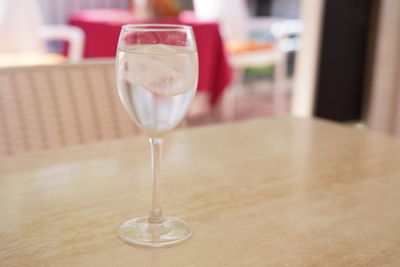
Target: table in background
281 192
102 27
27 59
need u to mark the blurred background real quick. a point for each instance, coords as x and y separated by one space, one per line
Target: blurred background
333 59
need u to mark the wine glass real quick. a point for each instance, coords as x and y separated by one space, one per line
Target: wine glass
157 74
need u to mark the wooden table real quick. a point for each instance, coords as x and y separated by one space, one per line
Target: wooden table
281 192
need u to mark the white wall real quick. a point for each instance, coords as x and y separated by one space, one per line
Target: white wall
306 68
383 110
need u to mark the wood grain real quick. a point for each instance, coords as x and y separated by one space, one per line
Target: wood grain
281 192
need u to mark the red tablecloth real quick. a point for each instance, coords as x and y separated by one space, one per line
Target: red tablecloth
102 27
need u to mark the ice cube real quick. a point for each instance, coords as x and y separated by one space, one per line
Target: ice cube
160 69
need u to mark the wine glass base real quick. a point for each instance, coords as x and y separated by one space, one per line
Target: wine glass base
169 231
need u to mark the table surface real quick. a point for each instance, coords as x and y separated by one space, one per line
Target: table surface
279 192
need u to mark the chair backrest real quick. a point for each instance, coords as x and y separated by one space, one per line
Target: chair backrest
45 107
231 14
20 22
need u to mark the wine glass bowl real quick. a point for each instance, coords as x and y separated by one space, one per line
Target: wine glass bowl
157 74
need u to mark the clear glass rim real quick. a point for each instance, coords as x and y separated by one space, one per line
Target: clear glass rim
157 27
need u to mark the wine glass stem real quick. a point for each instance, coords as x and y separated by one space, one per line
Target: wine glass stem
156 147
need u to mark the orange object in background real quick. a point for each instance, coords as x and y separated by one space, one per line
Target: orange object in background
150 9
237 47
165 8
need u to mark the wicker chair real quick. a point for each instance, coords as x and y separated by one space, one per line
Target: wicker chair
46 107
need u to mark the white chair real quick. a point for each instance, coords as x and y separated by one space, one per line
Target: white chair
236 27
231 14
22 30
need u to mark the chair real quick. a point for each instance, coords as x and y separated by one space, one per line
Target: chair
45 107
23 34
232 16
242 32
